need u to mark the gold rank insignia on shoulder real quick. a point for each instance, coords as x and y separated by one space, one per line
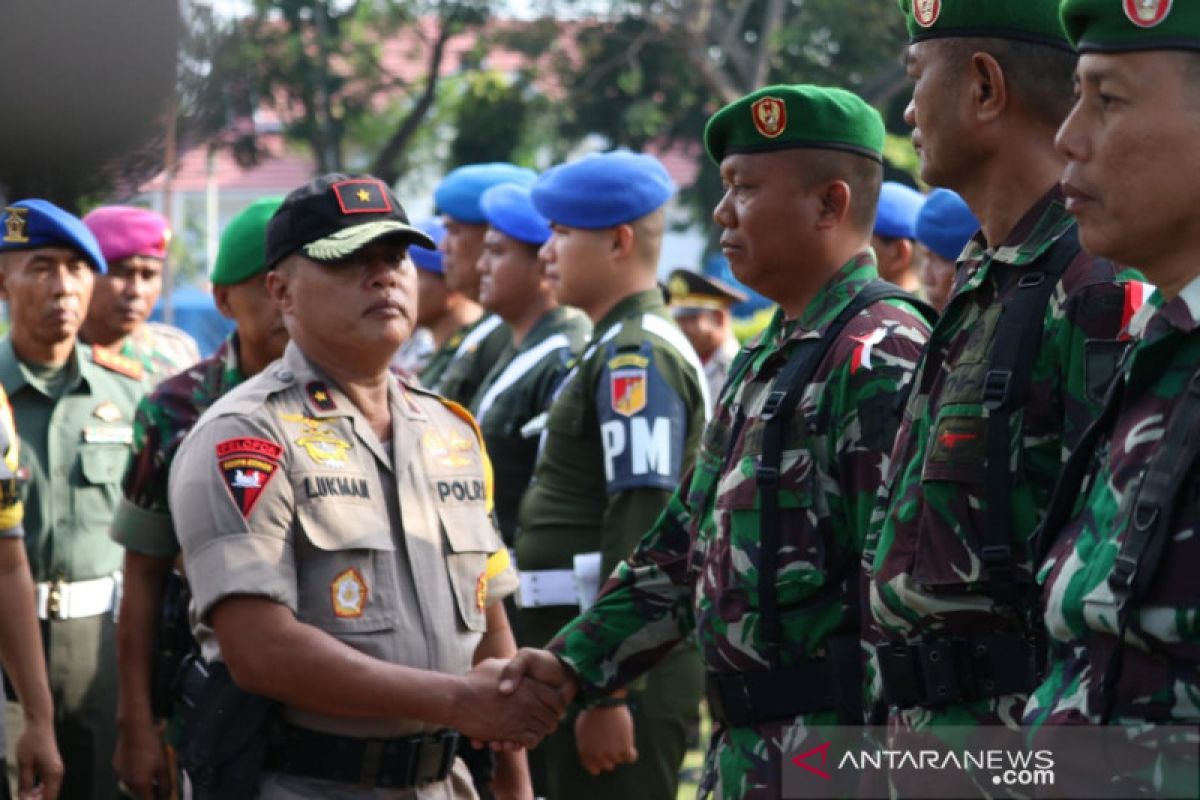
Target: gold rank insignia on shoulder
14 226
122 365
319 396
348 593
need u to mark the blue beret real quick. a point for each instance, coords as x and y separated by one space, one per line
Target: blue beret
602 190
896 216
457 196
946 224
429 260
509 210
29 224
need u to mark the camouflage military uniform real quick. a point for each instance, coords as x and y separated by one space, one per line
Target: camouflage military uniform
620 434
928 578
1160 682
162 350
697 569
480 347
143 520
514 394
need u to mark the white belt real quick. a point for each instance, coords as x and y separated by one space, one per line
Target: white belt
547 587
561 587
58 600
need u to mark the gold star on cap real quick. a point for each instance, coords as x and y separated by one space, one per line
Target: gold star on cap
364 195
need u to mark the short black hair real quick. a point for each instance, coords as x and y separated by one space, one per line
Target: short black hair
1040 76
863 175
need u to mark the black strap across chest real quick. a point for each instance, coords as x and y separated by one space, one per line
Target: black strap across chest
776 414
1014 350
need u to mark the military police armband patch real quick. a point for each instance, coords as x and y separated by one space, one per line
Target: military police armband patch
643 425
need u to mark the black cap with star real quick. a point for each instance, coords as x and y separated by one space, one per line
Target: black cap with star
334 216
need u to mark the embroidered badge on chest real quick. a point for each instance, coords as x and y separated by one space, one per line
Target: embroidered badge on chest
107 411
447 450
247 464
348 592
320 441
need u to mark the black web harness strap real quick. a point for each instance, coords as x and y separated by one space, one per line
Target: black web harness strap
1006 389
777 413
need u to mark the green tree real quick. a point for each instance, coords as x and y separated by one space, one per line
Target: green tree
318 64
490 119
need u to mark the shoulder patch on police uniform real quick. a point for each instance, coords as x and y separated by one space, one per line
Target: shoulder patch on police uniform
122 365
348 594
247 464
318 394
643 424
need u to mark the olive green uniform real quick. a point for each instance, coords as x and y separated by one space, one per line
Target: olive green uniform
621 432
512 401
480 345
76 433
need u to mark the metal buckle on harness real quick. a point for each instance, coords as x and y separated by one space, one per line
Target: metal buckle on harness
995 388
1031 279
771 406
1123 571
766 477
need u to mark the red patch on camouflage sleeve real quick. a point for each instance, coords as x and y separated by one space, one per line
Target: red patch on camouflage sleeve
247 464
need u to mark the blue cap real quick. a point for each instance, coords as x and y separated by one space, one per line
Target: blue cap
602 190
896 216
457 196
429 260
509 210
946 224
29 224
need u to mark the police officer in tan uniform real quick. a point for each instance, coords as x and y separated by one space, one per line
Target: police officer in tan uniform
336 532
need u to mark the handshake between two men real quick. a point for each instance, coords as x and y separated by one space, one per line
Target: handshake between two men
514 704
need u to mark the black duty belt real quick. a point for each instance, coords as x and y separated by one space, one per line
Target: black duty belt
383 763
936 671
832 682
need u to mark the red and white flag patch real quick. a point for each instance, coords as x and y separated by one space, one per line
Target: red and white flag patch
866 344
247 464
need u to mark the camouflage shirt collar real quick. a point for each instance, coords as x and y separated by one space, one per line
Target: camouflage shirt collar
823 309
227 354
1183 312
1040 228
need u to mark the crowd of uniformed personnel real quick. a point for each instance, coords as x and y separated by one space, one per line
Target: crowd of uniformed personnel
952 483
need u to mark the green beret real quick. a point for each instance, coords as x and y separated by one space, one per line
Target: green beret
1024 20
791 117
244 243
1114 26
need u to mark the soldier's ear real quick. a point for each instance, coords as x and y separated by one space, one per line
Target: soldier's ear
834 209
279 287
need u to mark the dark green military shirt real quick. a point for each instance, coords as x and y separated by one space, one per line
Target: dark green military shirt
482 344
621 432
514 397
75 443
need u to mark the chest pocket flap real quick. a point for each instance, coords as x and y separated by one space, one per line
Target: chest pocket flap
470 539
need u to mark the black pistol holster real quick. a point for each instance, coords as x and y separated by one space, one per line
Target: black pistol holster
225 733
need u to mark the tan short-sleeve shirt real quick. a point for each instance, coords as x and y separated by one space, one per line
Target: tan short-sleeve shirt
283 491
